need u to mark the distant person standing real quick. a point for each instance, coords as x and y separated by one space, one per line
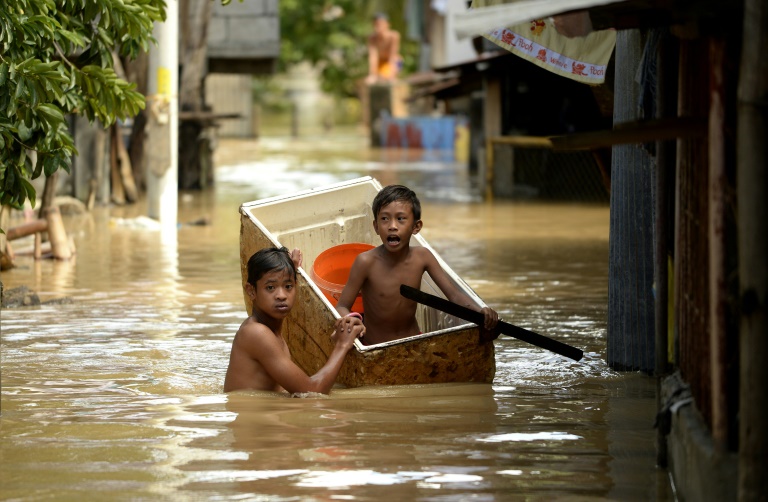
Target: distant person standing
383 51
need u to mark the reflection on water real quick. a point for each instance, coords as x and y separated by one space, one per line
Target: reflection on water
117 395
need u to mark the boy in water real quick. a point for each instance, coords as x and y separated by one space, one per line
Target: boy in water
378 273
260 359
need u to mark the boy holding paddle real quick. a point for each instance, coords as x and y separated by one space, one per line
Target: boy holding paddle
260 359
378 273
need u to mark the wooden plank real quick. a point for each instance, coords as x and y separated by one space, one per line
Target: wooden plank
523 141
646 131
208 116
433 89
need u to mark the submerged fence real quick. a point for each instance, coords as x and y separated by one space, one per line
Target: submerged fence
528 167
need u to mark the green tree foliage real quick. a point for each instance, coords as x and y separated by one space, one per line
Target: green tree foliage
332 35
56 59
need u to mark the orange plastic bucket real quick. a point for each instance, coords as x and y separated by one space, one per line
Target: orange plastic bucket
331 271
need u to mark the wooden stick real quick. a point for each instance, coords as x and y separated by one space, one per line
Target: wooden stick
505 328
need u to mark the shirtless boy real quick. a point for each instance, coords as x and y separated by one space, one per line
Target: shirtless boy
378 273
260 359
383 50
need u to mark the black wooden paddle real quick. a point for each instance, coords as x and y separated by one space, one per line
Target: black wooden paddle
504 327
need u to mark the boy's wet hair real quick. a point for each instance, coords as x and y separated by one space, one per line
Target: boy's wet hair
392 193
380 15
269 259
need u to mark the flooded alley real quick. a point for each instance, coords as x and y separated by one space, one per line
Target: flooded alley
117 394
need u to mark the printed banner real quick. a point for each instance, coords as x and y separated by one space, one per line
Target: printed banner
579 58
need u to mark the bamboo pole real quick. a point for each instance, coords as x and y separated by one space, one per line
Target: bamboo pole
57 235
752 190
26 229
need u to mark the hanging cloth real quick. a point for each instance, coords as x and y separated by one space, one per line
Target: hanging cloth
580 58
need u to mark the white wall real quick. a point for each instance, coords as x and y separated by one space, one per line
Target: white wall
447 49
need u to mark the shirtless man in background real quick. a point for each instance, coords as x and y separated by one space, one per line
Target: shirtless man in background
383 51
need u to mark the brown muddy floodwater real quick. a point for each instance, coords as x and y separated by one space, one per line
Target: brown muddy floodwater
118 394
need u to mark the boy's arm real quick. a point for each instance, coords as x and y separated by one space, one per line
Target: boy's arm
355 282
454 293
263 346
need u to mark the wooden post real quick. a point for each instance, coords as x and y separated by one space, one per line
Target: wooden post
666 106
193 26
492 110
491 127
722 241
752 190
717 246
124 166
118 193
490 159
691 248
57 235
194 19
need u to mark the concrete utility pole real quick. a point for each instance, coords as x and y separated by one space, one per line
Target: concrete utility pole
162 150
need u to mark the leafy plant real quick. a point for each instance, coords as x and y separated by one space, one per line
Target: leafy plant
56 59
